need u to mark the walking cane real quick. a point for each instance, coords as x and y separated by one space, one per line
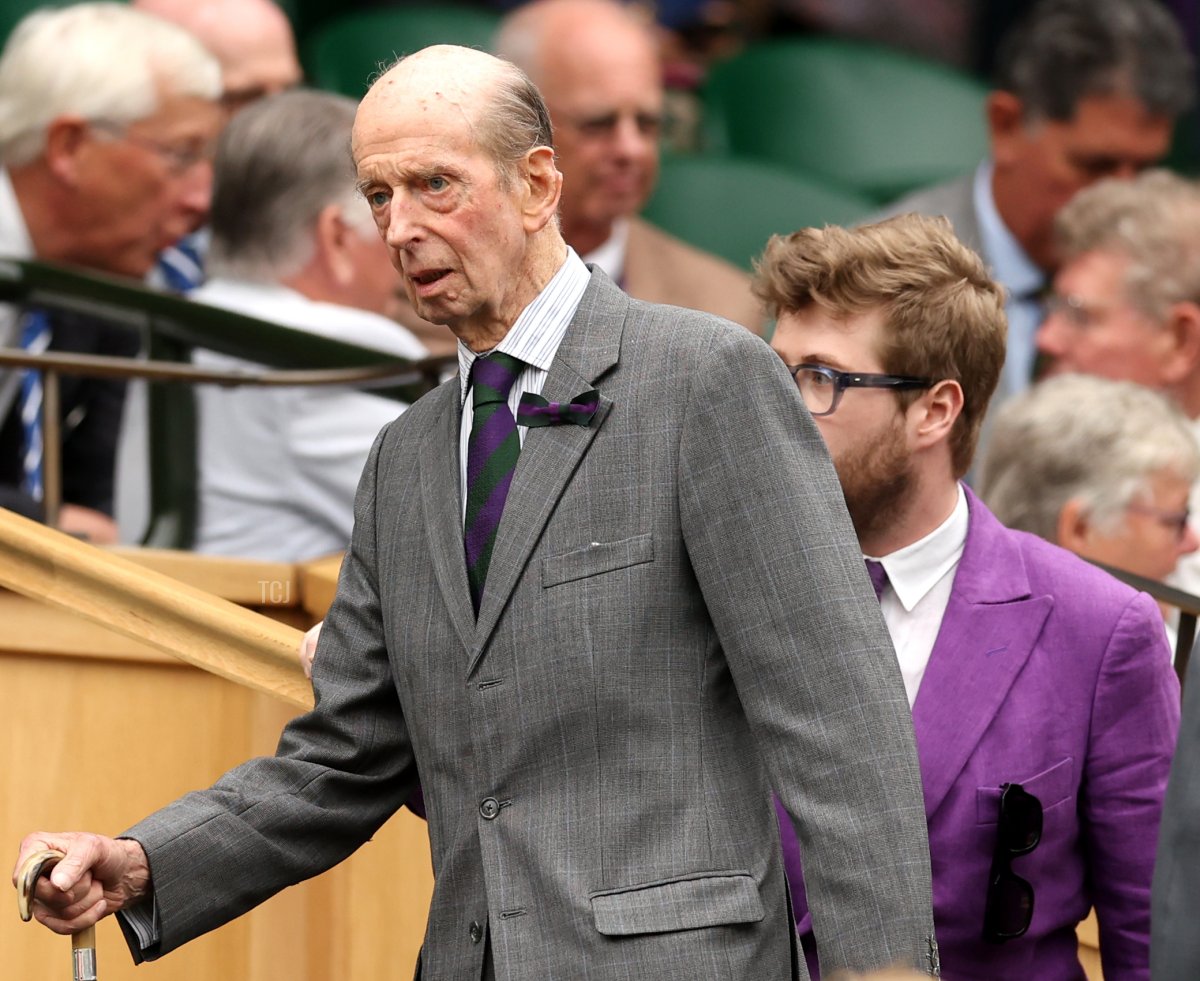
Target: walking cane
83 944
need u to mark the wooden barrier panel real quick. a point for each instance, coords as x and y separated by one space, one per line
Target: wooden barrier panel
101 729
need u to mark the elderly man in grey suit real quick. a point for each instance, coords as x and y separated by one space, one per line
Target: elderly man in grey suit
602 592
1084 89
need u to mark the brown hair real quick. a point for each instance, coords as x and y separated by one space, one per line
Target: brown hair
943 314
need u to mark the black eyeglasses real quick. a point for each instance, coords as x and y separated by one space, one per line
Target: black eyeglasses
822 388
1009 909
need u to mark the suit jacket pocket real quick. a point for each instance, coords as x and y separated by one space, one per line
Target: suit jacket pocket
598 557
1051 786
703 899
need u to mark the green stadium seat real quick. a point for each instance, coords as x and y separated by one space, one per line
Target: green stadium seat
344 55
731 206
866 117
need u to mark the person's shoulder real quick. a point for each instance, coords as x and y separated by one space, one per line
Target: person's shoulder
1079 588
664 269
950 198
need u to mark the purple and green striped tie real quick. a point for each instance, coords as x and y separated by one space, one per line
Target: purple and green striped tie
492 452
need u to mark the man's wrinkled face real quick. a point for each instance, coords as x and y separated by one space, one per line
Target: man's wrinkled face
1094 329
1052 160
453 226
142 186
866 435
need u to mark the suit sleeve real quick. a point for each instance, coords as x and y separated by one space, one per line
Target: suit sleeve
1174 939
340 771
1135 721
768 535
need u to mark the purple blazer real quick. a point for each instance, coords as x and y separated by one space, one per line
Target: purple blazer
1049 673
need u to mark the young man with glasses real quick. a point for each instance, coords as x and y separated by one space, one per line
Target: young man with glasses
1043 699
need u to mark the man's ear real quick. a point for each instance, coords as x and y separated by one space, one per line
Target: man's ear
542 183
1074 529
330 238
66 143
936 411
1182 360
1006 125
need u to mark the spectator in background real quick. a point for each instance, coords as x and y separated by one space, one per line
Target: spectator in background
294 243
1126 301
597 64
1042 694
107 121
1102 468
252 39
1084 89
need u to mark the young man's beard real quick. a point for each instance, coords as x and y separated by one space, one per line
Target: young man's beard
877 482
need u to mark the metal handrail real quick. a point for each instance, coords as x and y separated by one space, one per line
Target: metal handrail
51 364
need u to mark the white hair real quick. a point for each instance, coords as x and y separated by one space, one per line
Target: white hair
1078 437
97 61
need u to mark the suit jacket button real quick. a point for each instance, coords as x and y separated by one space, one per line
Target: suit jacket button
476 932
489 807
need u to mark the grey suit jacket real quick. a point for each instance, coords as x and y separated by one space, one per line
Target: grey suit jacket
676 618
1175 895
955 200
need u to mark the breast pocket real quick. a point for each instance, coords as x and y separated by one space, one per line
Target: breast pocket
686 903
1051 786
597 558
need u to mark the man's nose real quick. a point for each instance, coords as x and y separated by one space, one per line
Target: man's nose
1190 542
195 187
1050 338
403 222
630 140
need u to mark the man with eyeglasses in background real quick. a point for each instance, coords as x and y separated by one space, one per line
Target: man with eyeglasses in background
1126 302
1044 703
107 123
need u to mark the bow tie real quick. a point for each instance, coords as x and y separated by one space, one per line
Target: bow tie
534 410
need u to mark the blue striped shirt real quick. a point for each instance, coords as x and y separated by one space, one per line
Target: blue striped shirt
534 338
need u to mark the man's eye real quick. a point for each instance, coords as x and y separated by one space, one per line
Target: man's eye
377 199
438 183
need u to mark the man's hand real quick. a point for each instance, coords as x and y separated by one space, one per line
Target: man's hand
96 877
308 648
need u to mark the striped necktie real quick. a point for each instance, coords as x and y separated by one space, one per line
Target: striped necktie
492 452
35 339
181 266
879 576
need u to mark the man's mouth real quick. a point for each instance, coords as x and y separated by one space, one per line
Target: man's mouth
428 277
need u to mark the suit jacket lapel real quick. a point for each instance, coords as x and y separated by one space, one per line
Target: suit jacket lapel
551 454
440 494
989 629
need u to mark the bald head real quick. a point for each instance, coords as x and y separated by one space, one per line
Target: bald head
252 39
501 107
547 36
598 66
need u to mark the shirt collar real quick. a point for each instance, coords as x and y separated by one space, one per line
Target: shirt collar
610 254
1010 263
15 241
539 330
915 569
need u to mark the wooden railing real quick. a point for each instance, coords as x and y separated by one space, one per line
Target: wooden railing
146 606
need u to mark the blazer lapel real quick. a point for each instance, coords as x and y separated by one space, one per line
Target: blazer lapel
551 454
989 629
440 495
